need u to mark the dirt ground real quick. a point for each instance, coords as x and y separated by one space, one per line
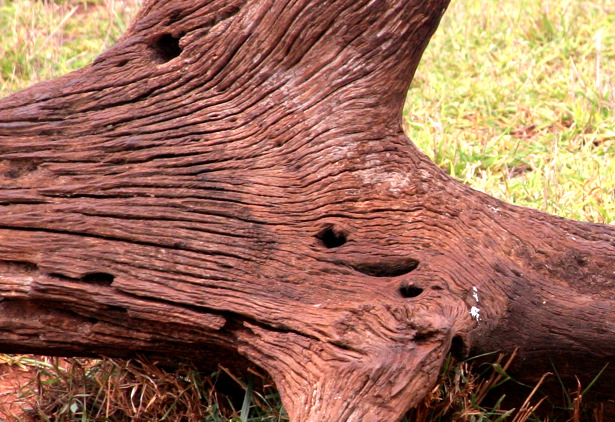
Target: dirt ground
16 382
21 378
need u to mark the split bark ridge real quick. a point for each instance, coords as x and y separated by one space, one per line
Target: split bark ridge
232 176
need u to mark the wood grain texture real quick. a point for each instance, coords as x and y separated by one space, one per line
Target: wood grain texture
233 177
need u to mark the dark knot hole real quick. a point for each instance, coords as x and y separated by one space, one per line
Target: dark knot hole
331 237
98 279
166 47
410 291
386 267
459 349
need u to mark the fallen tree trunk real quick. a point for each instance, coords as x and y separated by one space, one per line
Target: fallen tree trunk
232 177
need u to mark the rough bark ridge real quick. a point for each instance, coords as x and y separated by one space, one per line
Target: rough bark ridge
233 176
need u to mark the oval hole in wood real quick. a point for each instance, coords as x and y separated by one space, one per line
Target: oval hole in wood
391 267
98 279
410 291
459 349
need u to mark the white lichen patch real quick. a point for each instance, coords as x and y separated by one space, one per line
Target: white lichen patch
394 182
475 312
475 294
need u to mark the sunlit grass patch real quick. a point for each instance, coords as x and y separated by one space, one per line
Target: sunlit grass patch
45 39
517 99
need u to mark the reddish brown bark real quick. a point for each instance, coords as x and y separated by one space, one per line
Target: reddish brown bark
233 176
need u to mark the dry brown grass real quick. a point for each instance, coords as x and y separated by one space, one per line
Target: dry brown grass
58 389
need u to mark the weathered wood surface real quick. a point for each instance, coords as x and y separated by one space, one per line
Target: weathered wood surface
233 176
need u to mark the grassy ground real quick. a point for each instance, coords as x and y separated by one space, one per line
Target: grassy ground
44 39
517 99
514 97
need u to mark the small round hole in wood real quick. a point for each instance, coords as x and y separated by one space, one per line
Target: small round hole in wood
331 238
166 48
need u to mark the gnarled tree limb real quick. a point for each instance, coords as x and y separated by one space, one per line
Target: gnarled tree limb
233 176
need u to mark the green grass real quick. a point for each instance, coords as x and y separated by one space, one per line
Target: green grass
45 39
517 99
513 97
